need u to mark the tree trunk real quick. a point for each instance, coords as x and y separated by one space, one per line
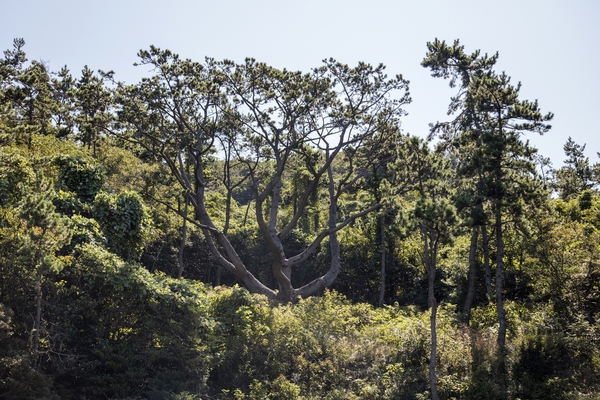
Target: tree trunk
499 278
429 250
38 315
431 261
183 239
38 320
472 273
433 354
382 233
486 262
316 217
226 230
319 284
502 374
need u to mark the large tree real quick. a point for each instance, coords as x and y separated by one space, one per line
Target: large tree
265 120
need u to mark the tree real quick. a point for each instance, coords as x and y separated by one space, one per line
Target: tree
182 111
437 217
63 94
28 91
576 175
92 107
464 136
47 232
385 185
492 117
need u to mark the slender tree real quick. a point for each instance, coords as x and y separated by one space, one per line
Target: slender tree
93 103
437 217
28 92
46 233
487 132
577 174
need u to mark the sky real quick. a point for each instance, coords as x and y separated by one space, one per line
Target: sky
551 46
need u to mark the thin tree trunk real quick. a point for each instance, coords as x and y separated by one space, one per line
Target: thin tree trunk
38 321
429 260
472 273
38 315
382 233
486 262
502 374
433 355
499 278
433 305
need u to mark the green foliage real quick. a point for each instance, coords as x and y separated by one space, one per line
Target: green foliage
240 337
15 174
17 379
245 158
80 176
124 221
543 368
557 364
27 92
46 232
135 333
576 175
279 389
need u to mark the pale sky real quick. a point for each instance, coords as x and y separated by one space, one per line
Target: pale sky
551 46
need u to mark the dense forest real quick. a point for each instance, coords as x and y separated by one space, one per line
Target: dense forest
236 231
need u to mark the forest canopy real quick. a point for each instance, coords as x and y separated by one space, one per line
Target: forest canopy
234 230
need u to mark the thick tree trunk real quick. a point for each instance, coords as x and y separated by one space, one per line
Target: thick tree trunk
319 284
225 254
472 273
183 239
382 233
226 230
316 217
227 257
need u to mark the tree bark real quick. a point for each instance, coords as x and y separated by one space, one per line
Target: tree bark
433 354
472 273
38 315
486 262
431 267
326 280
502 374
183 239
382 233
499 278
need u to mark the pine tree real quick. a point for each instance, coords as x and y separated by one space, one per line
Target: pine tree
487 135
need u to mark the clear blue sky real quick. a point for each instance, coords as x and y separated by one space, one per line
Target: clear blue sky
551 46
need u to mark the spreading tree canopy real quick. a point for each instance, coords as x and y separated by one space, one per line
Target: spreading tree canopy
264 122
